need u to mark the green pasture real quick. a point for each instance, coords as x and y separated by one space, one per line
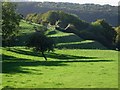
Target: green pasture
75 63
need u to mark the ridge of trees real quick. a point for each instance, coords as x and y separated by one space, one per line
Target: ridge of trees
87 12
99 30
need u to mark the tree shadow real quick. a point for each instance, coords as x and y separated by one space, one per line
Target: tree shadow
16 67
67 57
88 45
67 39
21 39
6 58
51 55
12 64
51 32
75 38
31 53
17 63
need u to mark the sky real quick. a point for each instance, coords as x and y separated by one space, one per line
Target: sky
102 2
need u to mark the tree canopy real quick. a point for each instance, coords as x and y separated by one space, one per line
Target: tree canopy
10 22
87 12
40 43
53 16
99 30
118 37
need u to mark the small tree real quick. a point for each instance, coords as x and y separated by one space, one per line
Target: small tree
40 43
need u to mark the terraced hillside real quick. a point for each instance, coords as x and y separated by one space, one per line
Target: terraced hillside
62 39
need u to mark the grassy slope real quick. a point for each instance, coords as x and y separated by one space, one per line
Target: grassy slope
67 67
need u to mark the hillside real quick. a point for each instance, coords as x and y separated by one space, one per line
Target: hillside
99 30
74 60
88 12
62 39
31 59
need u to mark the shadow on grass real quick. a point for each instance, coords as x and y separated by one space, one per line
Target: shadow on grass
16 67
20 41
12 64
89 45
6 58
50 55
67 39
52 32
74 38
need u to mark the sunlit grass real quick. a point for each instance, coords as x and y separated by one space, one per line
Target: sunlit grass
72 67
81 68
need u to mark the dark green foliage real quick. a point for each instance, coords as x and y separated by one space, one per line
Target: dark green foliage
87 12
67 18
30 17
118 38
104 33
53 16
108 31
10 22
99 30
36 18
41 28
40 43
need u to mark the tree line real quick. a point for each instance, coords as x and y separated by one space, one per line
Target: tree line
99 30
87 12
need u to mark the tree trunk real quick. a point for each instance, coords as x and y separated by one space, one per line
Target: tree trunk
44 56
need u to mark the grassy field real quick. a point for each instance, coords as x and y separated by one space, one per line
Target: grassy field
75 63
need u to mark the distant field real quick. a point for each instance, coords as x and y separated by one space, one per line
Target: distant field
75 63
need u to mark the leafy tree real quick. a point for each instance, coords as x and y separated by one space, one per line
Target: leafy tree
40 43
104 32
10 22
41 28
65 18
108 31
118 38
30 17
36 18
